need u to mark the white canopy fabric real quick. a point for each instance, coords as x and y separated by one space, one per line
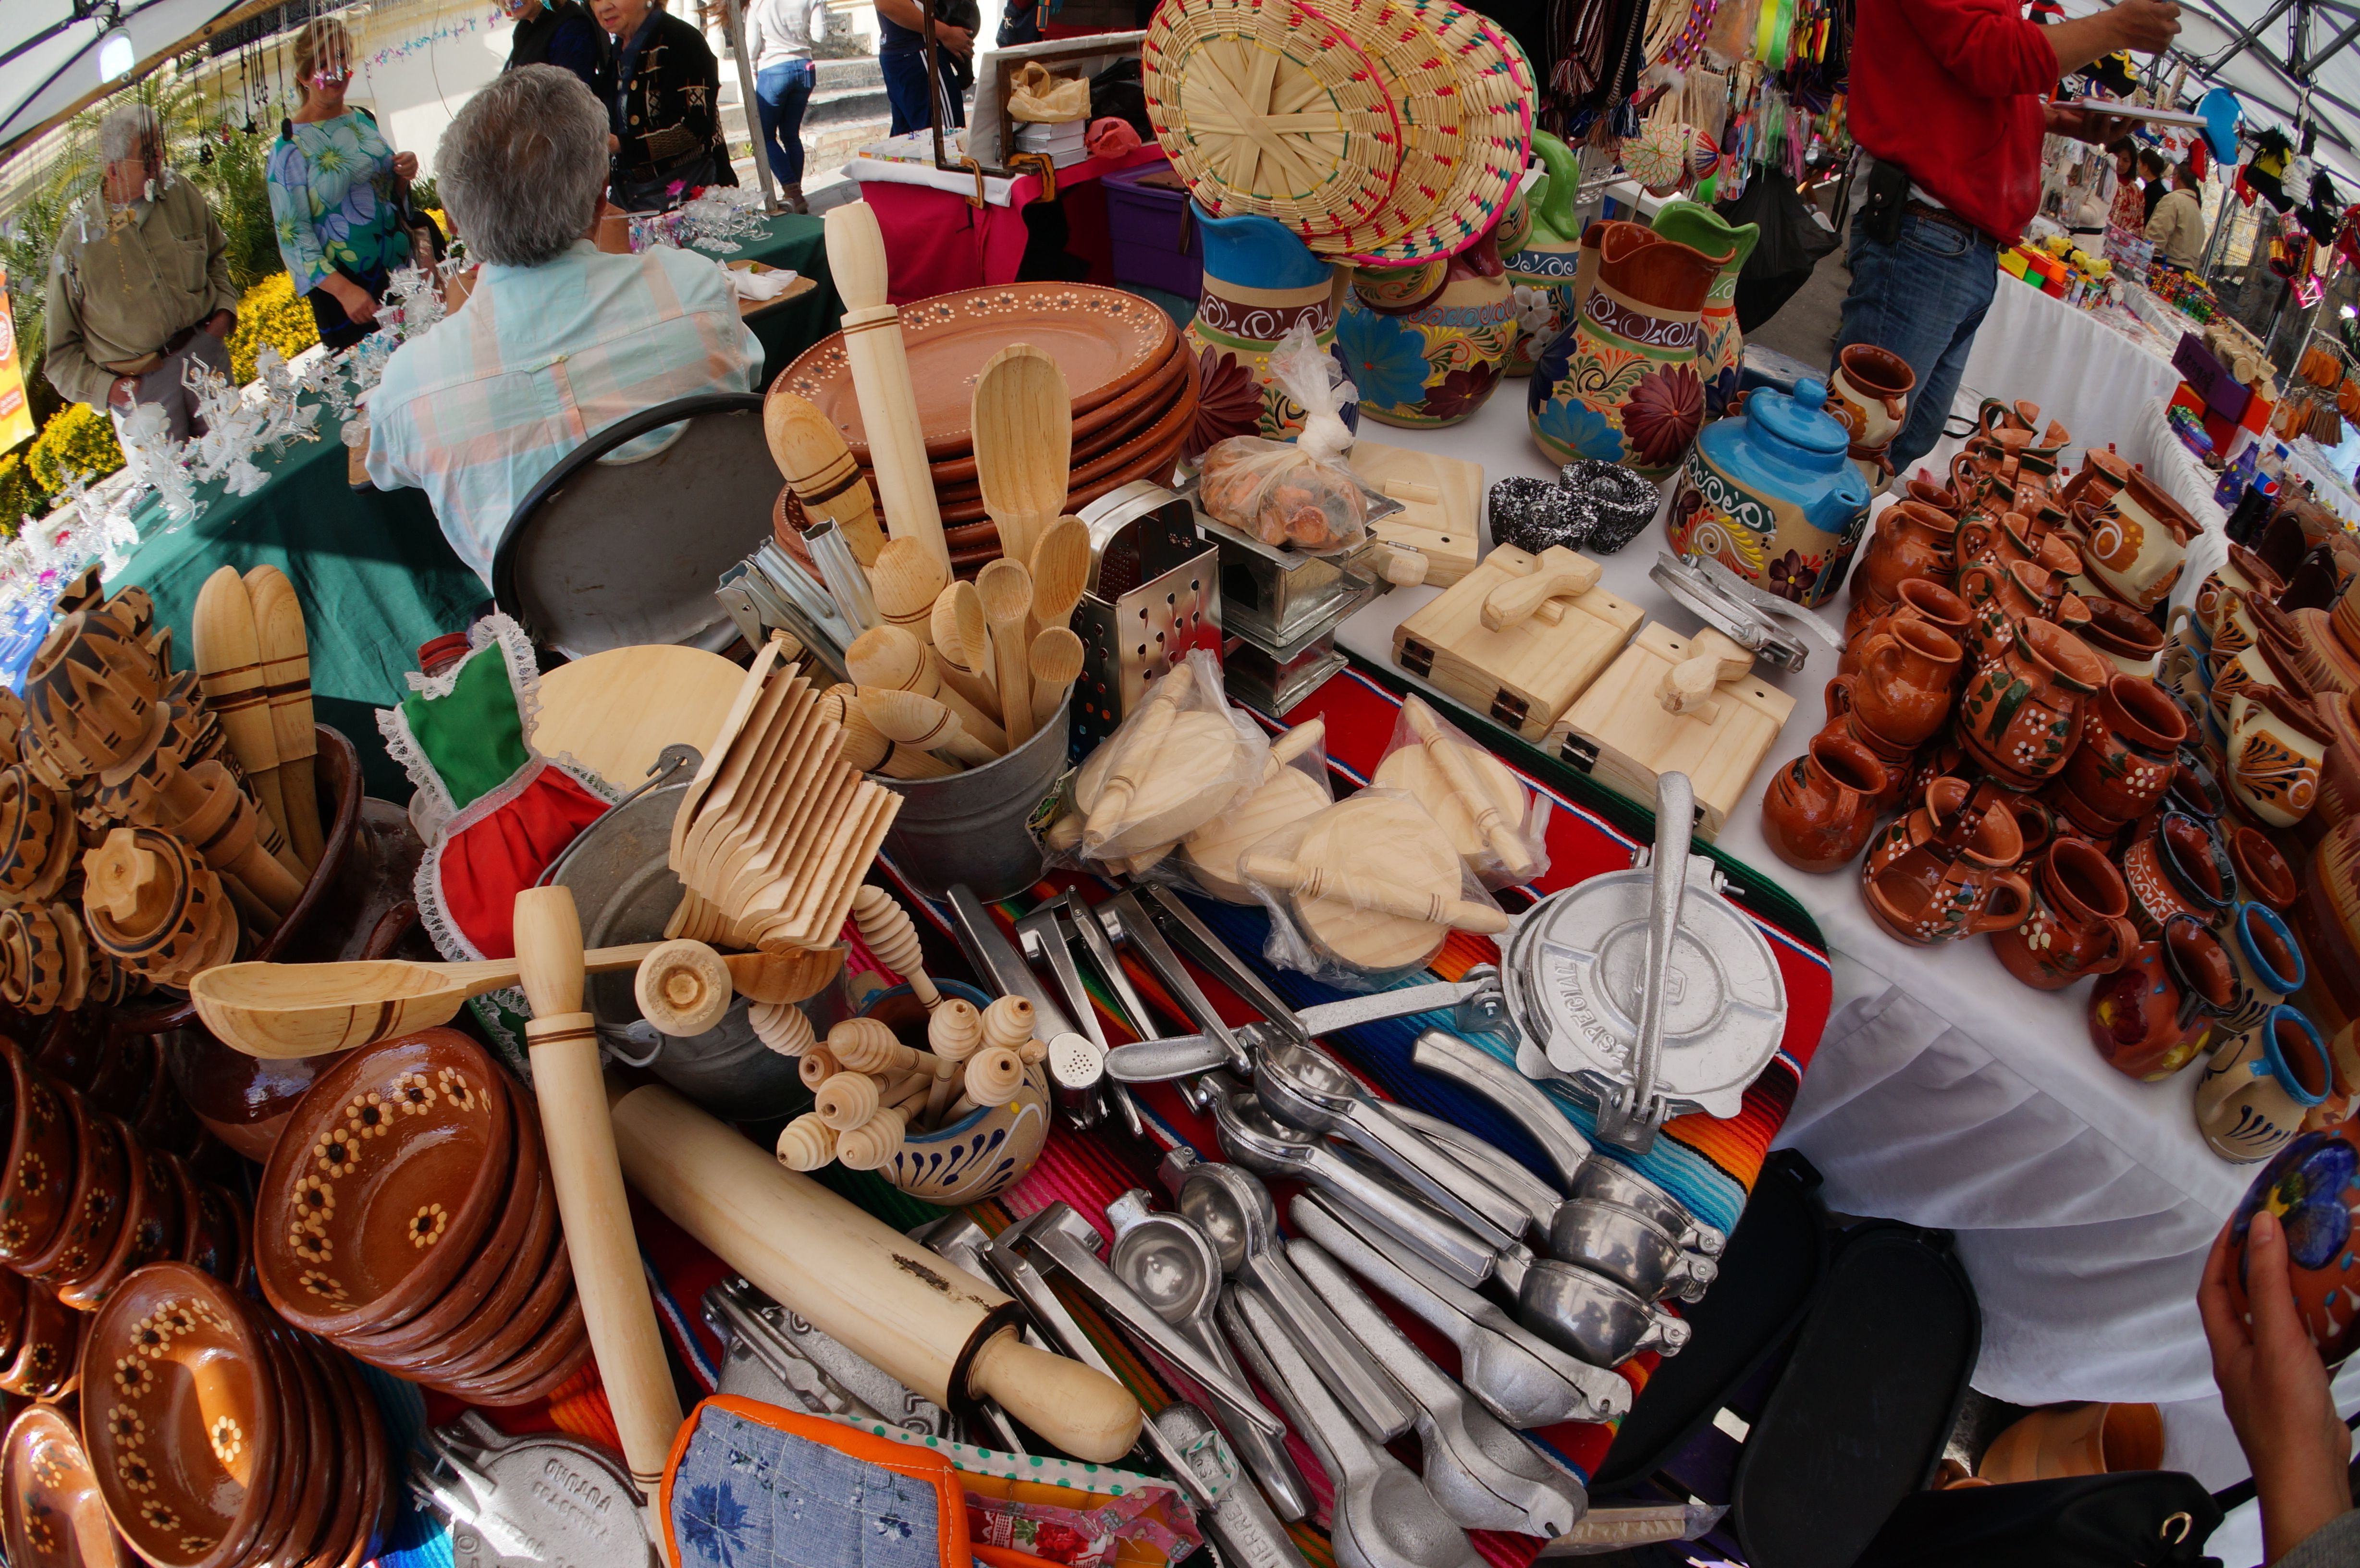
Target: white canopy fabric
48 49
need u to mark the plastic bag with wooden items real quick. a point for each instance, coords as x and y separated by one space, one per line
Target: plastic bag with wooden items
1300 493
1366 892
1182 759
1498 827
1294 786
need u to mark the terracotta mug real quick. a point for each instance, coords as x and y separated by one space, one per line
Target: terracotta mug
1908 540
1821 808
2019 716
2140 542
1945 870
2101 475
2001 598
2276 750
1942 498
2131 734
2123 636
2081 1440
2176 868
1906 677
2260 1084
2149 1019
2267 959
2076 925
2342 1100
1919 599
2011 536
1891 755
2263 873
2265 663
2242 573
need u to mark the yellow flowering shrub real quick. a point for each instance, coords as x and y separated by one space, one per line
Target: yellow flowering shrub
80 439
18 495
274 313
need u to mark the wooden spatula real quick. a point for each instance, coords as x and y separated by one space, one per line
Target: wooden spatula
1023 424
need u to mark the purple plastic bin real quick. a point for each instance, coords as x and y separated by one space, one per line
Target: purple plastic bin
1153 239
2210 379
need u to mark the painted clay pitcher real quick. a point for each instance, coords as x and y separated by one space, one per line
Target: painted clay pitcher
1869 391
1423 345
1721 344
2276 743
1260 281
1819 808
1771 495
2130 736
2149 1019
1541 271
1620 382
2021 712
1945 871
1920 599
1907 673
1909 539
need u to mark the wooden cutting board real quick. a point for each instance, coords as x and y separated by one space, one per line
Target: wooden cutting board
1442 500
1526 674
615 710
1619 733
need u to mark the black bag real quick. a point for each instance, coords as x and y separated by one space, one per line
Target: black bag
2140 1518
1119 91
1793 242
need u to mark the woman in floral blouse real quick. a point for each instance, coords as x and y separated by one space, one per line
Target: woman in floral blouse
333 187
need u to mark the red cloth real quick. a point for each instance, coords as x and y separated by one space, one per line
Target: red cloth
936 244
1951 90
483 867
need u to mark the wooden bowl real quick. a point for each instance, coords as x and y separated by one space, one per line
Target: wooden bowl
403 1152
38 1181
181 1422
94 1211
50 1514
45 1362
153 1227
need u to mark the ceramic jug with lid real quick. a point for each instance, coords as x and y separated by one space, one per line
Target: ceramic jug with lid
1771 496
1260 281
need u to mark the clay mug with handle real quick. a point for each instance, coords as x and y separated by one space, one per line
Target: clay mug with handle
2260 1084
1819 808
1919 599
1908 675
2076 925
1945 870
2149 1019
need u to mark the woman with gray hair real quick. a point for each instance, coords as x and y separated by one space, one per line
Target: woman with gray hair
558 339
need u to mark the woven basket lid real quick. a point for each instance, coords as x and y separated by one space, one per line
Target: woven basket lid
1267 107
1497 89
1420 71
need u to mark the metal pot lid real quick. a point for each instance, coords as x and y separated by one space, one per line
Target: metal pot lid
1573 971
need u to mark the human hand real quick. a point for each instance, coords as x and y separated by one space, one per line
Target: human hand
405 166
358 306
958 41
220 324
2085 125
2275 1390
2146 26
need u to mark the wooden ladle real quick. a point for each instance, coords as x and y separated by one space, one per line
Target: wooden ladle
281 1010
1023 424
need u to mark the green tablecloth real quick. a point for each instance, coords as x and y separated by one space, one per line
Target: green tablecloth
374 573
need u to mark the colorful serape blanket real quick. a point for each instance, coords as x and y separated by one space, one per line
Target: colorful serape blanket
1709 1164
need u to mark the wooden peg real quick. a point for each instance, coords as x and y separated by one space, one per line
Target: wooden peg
889 934
1713 658
1561 574
1367 893
907 719
905 581
806 1143
1451 761
822 471
287 681
682 988
874 353
227 648
608 1278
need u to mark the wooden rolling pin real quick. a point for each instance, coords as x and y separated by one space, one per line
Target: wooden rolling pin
1459 775
227 650
607 1275
909 1311
1367 893
287 681
880 379
819 468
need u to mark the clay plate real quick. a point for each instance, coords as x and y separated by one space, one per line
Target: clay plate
1095 430
1104 340
38 1178
50 1513
361 1411
94 1213
387 1178
180 1419
12 1314
216 1233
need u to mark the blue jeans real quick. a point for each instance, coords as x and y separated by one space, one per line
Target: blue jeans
906 89
780 93
1922 296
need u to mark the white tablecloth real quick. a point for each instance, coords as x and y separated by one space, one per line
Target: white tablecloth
1945 1093
2063 358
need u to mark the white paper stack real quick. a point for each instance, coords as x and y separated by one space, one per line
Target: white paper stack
1061 142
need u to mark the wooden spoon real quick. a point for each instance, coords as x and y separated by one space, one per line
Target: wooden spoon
965 669
1057 662
1061 571
907 719
1006 591
284 1010
1023 423
821 470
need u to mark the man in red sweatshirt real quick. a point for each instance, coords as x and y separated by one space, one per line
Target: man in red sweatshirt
1948 97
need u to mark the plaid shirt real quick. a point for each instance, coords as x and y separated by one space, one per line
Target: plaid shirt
540 358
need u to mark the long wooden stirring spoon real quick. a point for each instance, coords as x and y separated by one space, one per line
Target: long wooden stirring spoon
966 670
1022 420
1005 590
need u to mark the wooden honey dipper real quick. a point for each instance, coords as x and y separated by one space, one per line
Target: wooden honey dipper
956 1033
1009 1022
873 1142
888 932
807 1142
783 1026
994 1075
817 1066
847 1100
867 1045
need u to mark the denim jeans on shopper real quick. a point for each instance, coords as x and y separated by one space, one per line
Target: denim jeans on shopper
1922 296
780 92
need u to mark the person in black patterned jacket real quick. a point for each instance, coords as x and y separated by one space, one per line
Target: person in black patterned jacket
666 111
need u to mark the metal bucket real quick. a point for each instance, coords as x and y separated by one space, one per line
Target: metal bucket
970 827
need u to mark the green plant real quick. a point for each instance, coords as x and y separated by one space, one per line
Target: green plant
274 313
20 496
79 440
423 195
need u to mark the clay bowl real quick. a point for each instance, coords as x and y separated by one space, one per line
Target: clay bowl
289 1463
552 1289
13 1290
101 1192
50 1514
216 1237
163 1119
153 1227
403 1151
182 1422
358 1436
38 1181
325 1475
45 1362
548 1362
242 1100
2125 638
2310 1186
2262 871
517 1243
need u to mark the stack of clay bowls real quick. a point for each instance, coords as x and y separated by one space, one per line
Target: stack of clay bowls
1132 380
219 1437
406 1215
50 1515
90 1194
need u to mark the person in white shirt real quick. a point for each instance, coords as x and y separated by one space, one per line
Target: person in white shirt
779 35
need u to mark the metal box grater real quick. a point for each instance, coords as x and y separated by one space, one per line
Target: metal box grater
1154 594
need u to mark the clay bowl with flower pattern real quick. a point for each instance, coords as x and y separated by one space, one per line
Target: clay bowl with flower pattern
505 1265
384 1182
180 1417
95 1208
543 1317
43 1367
37 1181
289 1463
349 1519
549 1361
153 1229
50 1515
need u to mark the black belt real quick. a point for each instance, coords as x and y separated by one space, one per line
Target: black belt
1941 215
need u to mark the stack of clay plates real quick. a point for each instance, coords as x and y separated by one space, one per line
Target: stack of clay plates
1386 133
406 1215
1133 386
218 1437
